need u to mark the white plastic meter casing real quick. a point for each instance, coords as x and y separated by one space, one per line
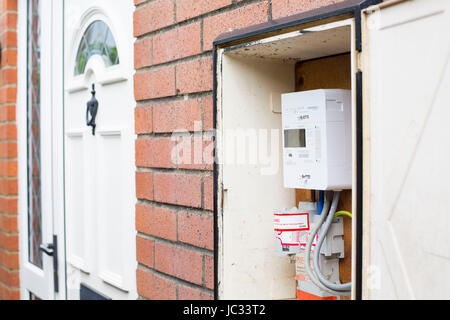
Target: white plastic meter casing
317 139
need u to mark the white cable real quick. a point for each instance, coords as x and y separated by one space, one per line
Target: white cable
309 271
327 224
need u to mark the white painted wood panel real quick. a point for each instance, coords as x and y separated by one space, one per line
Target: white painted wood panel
409 76
251 270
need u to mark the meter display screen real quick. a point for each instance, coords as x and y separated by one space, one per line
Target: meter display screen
295 138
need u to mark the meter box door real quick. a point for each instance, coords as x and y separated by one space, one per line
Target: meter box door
406 154
317 139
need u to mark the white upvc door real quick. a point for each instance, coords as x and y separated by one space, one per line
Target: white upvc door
99 161
39 100
406 67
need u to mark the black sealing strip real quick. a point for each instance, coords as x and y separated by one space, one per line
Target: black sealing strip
359 186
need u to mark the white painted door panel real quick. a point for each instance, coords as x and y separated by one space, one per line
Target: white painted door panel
99 169
407 79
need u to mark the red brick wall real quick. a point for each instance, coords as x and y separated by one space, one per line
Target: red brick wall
9 239
173 89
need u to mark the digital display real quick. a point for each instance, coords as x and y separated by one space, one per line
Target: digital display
295 138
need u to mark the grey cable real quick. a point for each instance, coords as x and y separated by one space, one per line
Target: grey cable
309 271
333 286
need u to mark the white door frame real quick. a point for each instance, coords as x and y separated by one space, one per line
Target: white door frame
52 183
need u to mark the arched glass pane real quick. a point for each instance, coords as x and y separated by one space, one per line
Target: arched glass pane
97 39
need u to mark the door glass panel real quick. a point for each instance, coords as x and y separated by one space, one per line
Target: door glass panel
97 39
33 134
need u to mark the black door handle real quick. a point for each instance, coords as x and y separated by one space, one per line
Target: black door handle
91 110
48 249
51 249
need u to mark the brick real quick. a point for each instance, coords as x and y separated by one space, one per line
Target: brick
155 221
8 21
177 43
208 193
9 260
8 113
8 76
208 113
177 115
194 76
9 39
195 152
9 293
283 8
155 152
8 95
9 57
155 83
8 168
196 229
143 120
8 205
179 189
179 262
153 16
8 150
209 271
187 9
8 186
153 286
8 223
145 251
9 5
189 293
144 185
231 20
143 52
8 131
10 278
9 242
208 150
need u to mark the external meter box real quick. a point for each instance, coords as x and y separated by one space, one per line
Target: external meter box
317 139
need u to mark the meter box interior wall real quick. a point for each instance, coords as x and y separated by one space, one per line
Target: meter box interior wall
317 143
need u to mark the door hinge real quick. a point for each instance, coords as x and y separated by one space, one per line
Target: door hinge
51 249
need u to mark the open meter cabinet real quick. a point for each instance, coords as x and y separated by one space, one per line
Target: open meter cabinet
390 111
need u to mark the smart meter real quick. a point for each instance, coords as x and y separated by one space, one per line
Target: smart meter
317 139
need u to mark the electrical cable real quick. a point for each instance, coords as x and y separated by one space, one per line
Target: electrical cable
312 235
345 287
343 213
320 203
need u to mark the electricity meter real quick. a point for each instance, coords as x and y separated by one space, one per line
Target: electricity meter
317 139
